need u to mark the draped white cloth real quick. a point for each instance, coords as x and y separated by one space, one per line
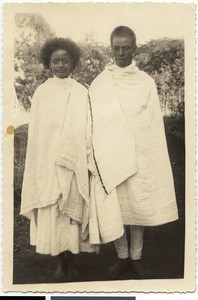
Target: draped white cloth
141 174
55 186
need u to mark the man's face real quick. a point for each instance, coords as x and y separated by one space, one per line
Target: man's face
123 49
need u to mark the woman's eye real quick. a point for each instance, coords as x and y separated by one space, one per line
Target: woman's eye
64 61
126 48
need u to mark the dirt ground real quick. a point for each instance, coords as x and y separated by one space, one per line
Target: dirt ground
163 252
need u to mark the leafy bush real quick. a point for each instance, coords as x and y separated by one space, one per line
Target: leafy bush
176 127
163 59
31 32
20 145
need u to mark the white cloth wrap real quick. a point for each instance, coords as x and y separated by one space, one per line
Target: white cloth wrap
146 196
56 171
110 128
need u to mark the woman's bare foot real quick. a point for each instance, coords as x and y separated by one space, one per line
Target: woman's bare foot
72 270
66 269
61 271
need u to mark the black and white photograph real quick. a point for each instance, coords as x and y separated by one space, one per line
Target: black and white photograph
99 130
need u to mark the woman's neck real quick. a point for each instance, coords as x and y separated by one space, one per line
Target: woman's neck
59 78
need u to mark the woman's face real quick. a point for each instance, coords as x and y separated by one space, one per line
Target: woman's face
61 63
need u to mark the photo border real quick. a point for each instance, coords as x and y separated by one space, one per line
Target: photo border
187 284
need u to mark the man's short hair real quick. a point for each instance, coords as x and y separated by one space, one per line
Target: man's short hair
123 30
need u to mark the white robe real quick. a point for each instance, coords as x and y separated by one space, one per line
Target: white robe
146 196
51 181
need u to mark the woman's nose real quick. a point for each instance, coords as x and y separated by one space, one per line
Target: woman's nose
60 64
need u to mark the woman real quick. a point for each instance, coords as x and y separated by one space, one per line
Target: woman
55 194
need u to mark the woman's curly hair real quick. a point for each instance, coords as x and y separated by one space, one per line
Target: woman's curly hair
55 44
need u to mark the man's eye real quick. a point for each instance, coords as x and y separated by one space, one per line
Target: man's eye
116 48
127 48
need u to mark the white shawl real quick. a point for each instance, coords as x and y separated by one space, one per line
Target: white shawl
67 170
123 98
113 139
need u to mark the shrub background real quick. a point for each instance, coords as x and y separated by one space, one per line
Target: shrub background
163 59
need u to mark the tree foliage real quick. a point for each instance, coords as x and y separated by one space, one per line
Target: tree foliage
164 61
32 32
95 56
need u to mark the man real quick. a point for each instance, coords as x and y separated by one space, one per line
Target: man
133 182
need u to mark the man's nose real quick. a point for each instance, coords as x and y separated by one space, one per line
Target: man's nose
120 51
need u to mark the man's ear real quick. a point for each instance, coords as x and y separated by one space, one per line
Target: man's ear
135 47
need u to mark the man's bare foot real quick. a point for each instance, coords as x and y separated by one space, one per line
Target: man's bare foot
118 268
139 270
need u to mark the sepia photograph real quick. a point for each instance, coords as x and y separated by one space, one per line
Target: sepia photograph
99 130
